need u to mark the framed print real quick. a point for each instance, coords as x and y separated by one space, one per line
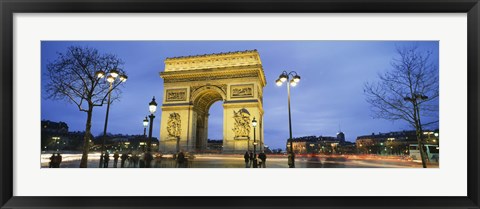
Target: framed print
163 104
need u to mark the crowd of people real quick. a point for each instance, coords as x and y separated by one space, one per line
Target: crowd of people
157 160
148 160
254 161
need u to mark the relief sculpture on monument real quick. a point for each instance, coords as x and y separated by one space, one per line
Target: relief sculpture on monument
174 127
242 124
176 95
241 91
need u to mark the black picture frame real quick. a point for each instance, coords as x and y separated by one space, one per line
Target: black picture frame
10 7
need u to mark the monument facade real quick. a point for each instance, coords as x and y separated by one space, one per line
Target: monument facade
193 83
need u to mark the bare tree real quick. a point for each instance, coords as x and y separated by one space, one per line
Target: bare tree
76 76
408 92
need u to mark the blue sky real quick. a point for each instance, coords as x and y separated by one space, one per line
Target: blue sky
329 97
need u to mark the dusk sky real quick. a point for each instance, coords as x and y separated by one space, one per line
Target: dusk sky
328 99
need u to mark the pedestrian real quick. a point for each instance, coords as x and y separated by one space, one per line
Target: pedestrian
291 159
52 161
255 161
115 159
263 160
252 160
135 159
106 158
130 161
148 159
174 158
58 160
246 156
141 161
180 159
122 160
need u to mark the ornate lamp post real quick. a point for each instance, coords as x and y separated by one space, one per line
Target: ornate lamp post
152 106
110 79
145 124
292 78
254 124
414 100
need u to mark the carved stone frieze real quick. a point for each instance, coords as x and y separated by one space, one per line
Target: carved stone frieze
174 125
241 126
176 95
229 59
208 78
241 91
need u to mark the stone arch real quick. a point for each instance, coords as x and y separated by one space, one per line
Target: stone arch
202 99
193 83
205 96
197 91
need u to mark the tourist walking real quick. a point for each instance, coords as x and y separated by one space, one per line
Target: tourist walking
263 159
141 161
181 160
255 161
59 160
115 159
148 159
135 159
251 158
52 161
55 160
246 156
291 159
122 160
106 158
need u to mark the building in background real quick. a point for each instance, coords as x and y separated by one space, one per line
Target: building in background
56 137
322 145
214 146
393 143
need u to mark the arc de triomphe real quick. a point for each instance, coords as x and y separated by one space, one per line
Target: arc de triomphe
193 83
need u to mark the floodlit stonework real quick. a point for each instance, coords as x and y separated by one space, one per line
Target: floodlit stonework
193 83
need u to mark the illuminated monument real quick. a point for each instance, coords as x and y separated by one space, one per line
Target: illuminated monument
193 83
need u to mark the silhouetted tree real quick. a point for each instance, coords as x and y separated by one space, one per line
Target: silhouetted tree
406 92
74 77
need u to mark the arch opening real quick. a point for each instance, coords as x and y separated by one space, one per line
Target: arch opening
202 103
215 128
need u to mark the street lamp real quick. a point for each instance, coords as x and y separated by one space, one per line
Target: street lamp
414 100
152 106
110 79
254 124
295 78
145 124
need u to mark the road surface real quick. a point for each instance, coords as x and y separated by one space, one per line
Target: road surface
273 161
